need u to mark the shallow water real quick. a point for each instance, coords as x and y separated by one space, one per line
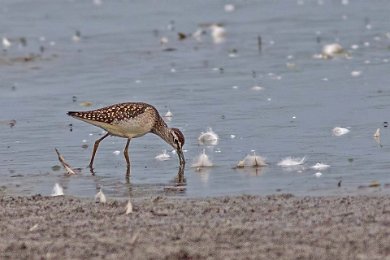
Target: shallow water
119 58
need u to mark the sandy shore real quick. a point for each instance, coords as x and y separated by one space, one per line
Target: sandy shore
277 227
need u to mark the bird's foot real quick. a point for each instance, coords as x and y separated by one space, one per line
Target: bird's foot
91 169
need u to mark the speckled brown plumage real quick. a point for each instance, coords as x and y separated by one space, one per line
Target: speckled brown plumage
113 113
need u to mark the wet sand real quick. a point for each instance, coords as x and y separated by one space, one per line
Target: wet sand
271 227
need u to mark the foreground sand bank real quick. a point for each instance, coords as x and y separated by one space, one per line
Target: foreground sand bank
278 227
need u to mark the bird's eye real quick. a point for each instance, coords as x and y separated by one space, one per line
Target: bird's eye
176 142
177 139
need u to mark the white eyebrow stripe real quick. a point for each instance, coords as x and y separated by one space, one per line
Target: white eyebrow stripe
176 138
174 135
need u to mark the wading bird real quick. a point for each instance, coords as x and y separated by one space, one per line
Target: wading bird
131 120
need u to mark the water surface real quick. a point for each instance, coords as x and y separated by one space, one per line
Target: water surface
119 58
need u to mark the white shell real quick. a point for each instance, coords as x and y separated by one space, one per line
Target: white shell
208 138
332 49
218 33
377 133
290 161
129 207
320 166
356 73
164 156
100 197
229 8
57 190
339 131
252 161
168 114
6 43
202 161
257 88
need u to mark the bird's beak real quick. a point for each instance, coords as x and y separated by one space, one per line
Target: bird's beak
181 157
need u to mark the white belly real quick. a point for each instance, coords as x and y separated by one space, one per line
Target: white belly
130 128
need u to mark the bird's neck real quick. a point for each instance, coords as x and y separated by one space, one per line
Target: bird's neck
161 129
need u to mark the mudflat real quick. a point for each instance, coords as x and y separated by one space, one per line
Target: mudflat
160 227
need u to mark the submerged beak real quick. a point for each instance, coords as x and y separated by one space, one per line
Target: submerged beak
181 157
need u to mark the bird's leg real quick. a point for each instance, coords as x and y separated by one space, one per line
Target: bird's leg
180 179
95 147
128 175
126 153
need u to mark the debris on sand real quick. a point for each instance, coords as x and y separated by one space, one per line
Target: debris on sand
100 197
129 207
67 167
57 190
373 184
33 228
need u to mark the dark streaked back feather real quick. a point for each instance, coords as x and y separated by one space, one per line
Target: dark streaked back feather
113 113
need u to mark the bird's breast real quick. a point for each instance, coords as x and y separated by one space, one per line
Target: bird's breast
127 128
131 128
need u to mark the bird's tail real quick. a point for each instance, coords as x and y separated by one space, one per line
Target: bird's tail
72 113
76 114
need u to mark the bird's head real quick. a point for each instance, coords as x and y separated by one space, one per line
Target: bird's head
177 138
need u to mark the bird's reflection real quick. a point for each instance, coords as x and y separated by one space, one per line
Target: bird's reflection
127 174
180 179
252 171
177 184
203 173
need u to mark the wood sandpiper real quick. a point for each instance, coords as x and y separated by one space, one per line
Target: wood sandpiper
131 120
